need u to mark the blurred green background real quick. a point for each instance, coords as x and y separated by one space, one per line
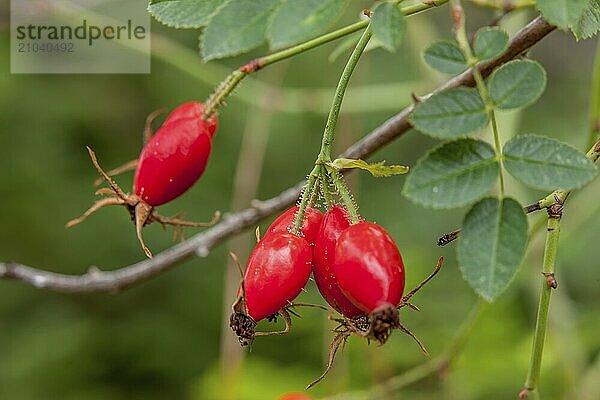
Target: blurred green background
167 338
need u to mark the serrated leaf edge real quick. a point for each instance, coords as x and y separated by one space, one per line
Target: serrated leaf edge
225 55
453 43
557 141
391 49
280 47
464 135
183 26
435 206
533 100
487 29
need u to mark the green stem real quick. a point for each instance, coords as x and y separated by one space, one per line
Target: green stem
498 146
223 90
306 195
548 284
503 5
325 189
595 101
458 17
553 203
314 195
338 97
302 47
226 87
328 135
347 198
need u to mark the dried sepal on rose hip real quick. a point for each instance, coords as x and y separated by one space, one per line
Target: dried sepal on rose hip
171 161
277 271
369 271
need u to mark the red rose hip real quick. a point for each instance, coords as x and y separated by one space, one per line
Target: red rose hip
176 156
192 110
370 272
334 223
170 163
277 270
368 267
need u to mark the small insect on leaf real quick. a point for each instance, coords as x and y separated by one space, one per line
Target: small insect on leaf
378 169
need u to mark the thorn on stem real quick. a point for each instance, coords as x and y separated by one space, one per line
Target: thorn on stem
457 15
524 394
416 98
550 279
555 211
251 66
94 272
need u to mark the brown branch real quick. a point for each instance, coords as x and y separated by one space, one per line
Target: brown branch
233 223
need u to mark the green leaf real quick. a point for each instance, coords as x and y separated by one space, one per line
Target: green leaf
445 56
517 84
451 113
492 245
453 174
237 27
490 42
545 163
296 21
184 13
562 13
589 24
388 25
377 169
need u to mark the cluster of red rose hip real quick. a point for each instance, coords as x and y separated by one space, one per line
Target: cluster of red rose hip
357 268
